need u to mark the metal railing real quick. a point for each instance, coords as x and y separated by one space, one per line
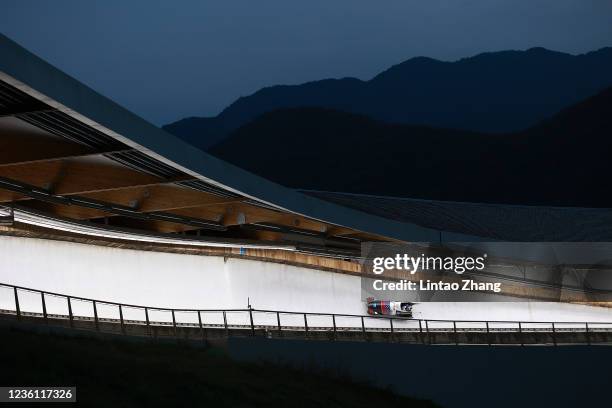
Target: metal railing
107 316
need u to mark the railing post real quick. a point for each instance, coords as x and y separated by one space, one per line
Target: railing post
202 332
588 334
95 310
491 340
149 331
17 309
363 330
421 331
174 323
44 307
225 324
334 323
70 316
121 319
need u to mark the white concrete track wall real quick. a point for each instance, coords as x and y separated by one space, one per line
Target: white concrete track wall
206 282
172 280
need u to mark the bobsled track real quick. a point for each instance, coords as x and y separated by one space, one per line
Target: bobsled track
101 211
204 324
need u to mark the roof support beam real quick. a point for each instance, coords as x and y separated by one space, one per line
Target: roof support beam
151 225
46 156
22 146
161 198
81 177
167 203
237 214
67 211
103 209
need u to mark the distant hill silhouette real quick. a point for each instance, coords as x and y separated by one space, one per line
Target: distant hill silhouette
492 92
563 161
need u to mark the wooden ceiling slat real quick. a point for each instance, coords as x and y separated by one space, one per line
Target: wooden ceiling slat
75 177
243 213
67 211
7 196
23 143
160 198
151 225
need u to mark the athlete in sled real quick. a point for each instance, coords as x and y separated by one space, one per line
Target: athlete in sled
389 308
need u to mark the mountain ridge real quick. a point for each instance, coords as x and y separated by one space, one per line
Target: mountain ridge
493 92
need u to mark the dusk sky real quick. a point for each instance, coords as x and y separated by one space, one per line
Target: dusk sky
166 60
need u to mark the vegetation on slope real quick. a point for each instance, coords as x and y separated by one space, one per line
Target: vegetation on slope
126 373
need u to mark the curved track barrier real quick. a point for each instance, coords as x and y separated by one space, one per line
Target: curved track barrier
47 308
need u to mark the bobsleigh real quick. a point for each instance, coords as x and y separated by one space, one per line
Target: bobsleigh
389 308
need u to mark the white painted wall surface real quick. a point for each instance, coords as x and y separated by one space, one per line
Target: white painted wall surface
190 281
172 280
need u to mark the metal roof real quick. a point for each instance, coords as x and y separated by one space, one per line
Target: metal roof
501 222
37 94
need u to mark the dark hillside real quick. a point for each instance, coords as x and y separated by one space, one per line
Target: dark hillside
562 161
123 373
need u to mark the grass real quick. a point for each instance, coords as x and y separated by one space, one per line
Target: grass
125 373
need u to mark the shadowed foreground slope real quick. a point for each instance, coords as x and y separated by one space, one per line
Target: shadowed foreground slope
121 373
